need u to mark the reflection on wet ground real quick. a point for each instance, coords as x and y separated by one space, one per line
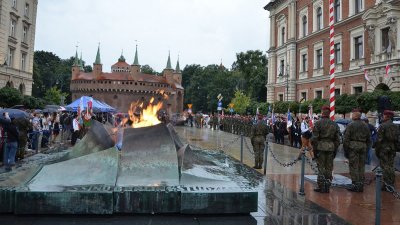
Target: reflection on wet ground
279 202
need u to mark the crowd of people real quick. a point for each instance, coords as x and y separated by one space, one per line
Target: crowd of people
41 131
320 137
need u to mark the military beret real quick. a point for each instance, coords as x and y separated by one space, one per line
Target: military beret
356 110
388 113
325 107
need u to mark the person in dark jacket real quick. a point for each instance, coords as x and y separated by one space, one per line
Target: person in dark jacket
11 142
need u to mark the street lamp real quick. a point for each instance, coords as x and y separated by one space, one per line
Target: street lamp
286 75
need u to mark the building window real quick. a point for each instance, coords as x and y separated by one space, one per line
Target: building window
304 27
337 10
283 35
280 97
12 27
10 58
358 90
304 62
338 54
14 4
282 68
337 92
319 18
26 12
23 61
318 94
25 34
304 95
319 58
358 47
358 6
386 45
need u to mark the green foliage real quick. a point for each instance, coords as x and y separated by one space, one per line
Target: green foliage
318 103
9 97
241 101
304 106
281 107
49 70
345 103
31 102
148 70
395 97
53 96
203 84
253 68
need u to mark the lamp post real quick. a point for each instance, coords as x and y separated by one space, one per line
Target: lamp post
287 82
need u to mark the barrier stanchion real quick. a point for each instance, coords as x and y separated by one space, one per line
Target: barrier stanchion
241 147
378 192
265 157
303 164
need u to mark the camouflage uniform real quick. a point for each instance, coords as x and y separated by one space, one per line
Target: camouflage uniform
23 125
214 122
259 132
388 141
357 139
325 142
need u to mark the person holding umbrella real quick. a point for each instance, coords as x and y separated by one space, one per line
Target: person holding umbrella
11 141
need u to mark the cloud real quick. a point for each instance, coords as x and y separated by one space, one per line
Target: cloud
200 31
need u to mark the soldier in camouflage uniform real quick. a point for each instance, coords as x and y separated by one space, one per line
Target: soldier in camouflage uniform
214 121
23 125
258 136
325 143
386 147
357 140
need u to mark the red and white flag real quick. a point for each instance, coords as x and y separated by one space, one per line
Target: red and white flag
80 106
366 76
387 69
310 115
90 103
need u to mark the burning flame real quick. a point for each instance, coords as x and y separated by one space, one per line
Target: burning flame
144 117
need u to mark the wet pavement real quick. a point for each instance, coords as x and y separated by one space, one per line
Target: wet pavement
279 202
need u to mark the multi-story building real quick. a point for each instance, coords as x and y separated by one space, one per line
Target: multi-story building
365 42
126 84
17 39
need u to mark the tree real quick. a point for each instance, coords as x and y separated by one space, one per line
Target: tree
253 67
53 96
31 102
241 101
345 103
318 103
10 97
148 70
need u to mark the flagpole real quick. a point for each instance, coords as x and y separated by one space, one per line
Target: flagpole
332 59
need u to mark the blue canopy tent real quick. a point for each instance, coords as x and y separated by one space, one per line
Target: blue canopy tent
97 105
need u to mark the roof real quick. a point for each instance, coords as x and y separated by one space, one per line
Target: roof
121 64
123 77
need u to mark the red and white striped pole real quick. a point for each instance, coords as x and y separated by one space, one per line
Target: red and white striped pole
332 59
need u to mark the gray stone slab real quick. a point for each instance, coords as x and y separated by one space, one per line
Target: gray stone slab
337 181
218 202
7 196
96 139
83 202
94 169
148 158
147 200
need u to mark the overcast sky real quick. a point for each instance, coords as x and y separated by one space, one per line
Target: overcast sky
200 31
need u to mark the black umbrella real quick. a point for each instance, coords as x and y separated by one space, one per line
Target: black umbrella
14 113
